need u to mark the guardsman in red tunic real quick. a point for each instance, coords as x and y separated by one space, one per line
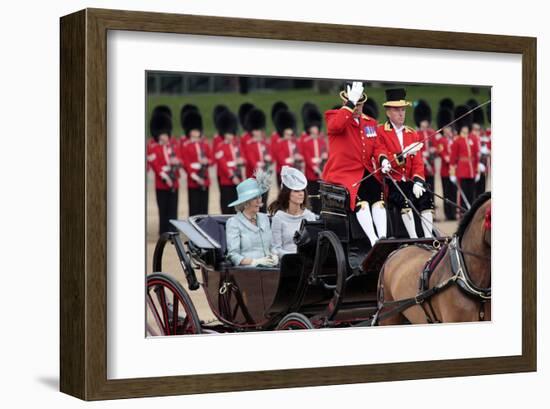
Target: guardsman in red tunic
354 150
315 152
464 158
275 109
165 109
230 164
216 139
443 145
286 150
197 159
255 149
423 120
244 109
166 164
402 144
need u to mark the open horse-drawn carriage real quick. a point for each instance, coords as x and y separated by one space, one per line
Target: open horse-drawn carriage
334 280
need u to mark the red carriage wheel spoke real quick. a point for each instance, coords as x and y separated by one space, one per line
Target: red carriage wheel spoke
175 318
155 312
162 300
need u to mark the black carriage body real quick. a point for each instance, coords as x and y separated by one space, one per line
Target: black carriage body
332 279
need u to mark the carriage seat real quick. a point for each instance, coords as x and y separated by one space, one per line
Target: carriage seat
214 227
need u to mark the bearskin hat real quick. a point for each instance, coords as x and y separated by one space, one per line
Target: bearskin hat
185 109
276 108
165 109
447 103
226 122
191 120
477 116
444 117
466 120
422 112
218 109
244 109
159 124
312 117
255 119
370 108
284 120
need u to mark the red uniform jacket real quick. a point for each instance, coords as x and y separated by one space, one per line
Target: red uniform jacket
149 148
273 139
443 147
427 137
312 150
226 157
191 153
283 151
353 146
464 157
216 140
255 153
413 166
161 156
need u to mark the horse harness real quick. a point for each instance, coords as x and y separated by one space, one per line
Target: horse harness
459 275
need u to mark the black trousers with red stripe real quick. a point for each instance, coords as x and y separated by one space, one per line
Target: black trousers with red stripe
468 187
167 202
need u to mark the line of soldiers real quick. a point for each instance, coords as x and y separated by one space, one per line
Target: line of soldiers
464 155
235 155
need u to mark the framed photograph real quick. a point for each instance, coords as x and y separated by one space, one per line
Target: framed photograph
176 128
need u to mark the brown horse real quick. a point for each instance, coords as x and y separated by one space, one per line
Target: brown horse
461 295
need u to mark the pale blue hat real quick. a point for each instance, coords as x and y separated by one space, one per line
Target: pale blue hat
248 189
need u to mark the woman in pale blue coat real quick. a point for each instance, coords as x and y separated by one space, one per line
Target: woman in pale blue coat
248 233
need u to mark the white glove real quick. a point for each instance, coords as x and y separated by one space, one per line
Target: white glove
412 148
355 91
264 261
452 179
481 168
484 150
477 177
418 190
386 166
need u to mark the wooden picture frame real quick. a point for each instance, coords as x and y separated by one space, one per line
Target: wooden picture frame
83 209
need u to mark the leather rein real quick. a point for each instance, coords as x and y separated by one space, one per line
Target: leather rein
459 275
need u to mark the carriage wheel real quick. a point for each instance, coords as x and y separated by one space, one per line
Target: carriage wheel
294 320
170 306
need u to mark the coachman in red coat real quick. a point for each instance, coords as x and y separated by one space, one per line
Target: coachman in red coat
402 145
354 151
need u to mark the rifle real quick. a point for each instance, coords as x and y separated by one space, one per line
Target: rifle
202 173
240 170
174 169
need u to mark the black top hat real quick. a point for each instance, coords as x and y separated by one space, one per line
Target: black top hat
284 120
395 97
447 103
159 124
190 121
422 112
244 109
254 120
466 120
444 118
165 109
276 108
226 123
344 94
371 108
312 117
